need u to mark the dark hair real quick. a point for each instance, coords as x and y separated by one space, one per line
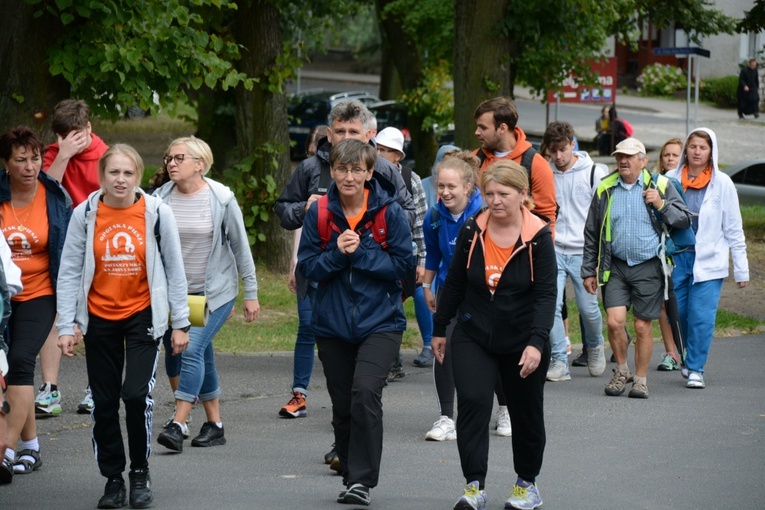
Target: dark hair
558 132
612 115
351 151
160 177
317 133
504 110
19 136
70 115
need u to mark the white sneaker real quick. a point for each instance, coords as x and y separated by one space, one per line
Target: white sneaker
503 427
695 380
596 361
559 371
443 430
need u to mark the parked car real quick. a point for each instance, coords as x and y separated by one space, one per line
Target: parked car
749 179
311 108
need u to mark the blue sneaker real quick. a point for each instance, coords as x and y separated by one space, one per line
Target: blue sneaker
525 496
472 499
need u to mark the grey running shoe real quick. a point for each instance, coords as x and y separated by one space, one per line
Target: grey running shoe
558 371
596 361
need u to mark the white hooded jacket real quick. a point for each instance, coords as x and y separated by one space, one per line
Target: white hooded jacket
720 227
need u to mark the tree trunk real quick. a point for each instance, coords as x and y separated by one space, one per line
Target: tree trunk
29 92
406 57
480 62
390 84
261 117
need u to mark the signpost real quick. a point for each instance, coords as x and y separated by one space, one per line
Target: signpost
693 55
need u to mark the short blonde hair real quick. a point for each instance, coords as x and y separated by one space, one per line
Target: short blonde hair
125 150
508 173
198 148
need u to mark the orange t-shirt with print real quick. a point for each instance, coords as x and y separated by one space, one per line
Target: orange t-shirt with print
495 258
26 230
120 285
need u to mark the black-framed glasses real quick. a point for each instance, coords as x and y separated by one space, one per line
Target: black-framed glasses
179 158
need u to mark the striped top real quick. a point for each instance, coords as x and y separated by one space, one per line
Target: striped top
193 214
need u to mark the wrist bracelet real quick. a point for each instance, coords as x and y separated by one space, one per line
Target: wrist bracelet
426 285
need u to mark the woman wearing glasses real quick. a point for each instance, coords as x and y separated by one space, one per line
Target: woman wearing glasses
215 252
358 318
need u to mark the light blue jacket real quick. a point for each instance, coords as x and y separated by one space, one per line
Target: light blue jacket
164 268
230 255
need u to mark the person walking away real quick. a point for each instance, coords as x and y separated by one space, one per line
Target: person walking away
749 90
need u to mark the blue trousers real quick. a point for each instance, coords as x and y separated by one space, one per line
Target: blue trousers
304 346
697 306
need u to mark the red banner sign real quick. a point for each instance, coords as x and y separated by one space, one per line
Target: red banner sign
572 92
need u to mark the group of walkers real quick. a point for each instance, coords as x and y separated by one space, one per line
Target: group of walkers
117 268
486 261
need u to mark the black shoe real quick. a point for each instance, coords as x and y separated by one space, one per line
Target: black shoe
140 488
331 455
6 470
356 494
756 115
580 361
114 493
425 358
210 435
740 115
172 437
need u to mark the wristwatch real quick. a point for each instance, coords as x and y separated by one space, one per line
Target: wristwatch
185 330
5 408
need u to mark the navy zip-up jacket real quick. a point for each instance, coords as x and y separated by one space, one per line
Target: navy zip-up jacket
357 294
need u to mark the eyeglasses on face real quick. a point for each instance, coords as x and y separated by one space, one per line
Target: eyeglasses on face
179 158
345 170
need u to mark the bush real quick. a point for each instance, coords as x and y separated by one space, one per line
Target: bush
660 80
720 91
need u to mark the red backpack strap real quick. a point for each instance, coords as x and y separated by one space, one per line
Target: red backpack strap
325 222
379 226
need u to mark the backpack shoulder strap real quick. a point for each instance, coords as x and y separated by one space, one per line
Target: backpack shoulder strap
324 221
406 173
592 174
527 160
380 227
325 179
481 157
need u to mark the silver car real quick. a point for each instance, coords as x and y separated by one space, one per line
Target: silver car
749 178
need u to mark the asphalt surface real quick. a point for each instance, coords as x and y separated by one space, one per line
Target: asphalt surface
680 449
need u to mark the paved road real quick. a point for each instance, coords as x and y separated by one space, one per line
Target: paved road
680 449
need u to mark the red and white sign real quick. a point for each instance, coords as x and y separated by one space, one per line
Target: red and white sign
572 92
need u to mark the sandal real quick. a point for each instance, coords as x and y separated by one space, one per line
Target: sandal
28 465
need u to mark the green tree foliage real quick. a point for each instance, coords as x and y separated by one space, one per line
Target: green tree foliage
117 53
754 19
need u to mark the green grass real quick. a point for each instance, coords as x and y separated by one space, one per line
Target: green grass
276 328
754 222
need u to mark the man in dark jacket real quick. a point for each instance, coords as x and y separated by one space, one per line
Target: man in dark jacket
621 240
749 91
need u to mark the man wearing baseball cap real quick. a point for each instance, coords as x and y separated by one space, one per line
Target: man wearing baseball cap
621 240
390 145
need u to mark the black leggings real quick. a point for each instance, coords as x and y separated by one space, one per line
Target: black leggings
29 326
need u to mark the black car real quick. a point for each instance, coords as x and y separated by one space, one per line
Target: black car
311 108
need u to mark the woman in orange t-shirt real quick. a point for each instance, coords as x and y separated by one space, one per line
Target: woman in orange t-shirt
34 212
122 273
